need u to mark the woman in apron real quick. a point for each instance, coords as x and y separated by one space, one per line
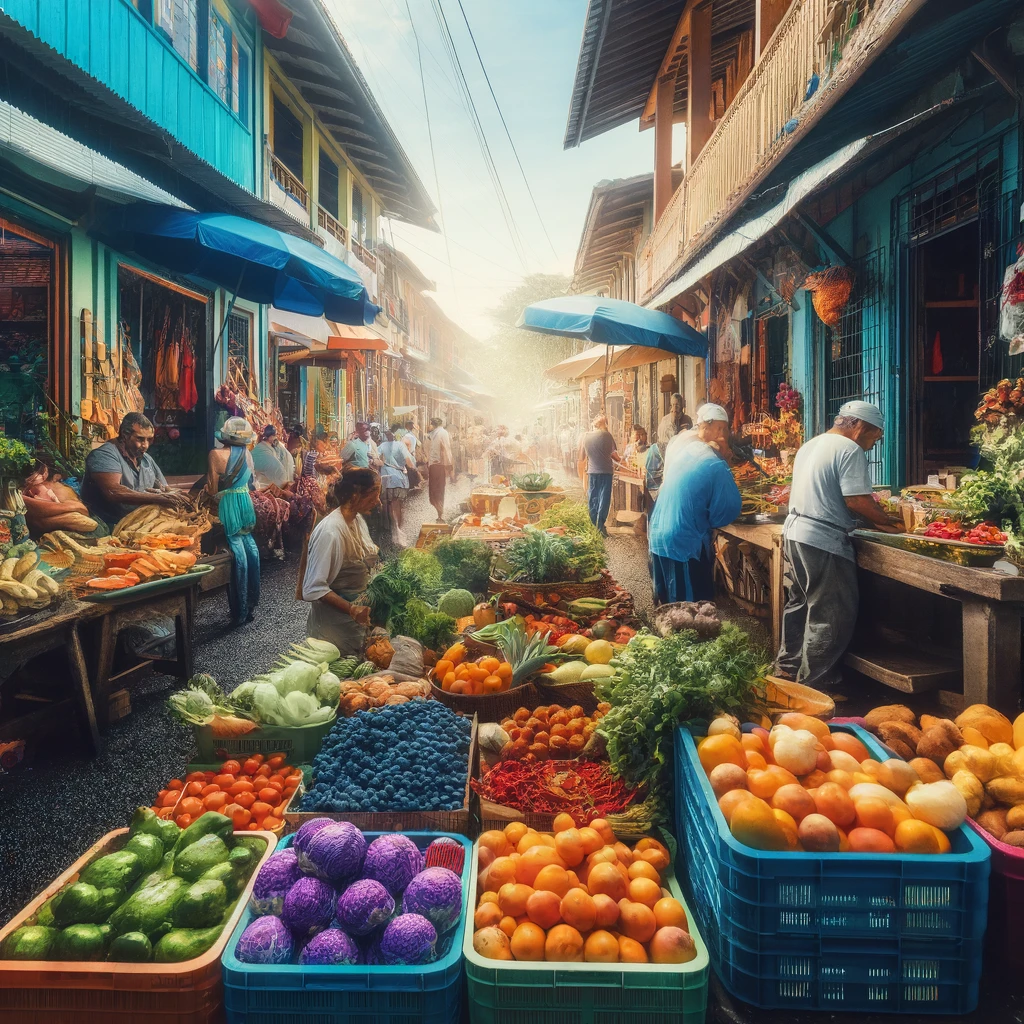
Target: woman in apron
338 563
230 473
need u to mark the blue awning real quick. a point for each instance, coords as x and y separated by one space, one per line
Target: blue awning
250 260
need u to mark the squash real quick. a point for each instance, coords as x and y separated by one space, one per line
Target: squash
484 615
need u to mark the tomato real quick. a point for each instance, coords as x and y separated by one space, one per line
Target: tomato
276 761
251 766
170 798
195 777
193 788
183 820
225 781
269 794
239 816
215 801
260 810
275 783
192 806
211 788
242 786
176 784
245 799
230 768
270 822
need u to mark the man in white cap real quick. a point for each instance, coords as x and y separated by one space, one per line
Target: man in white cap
698 495
831 491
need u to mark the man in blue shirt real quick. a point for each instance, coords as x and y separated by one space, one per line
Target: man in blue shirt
698 494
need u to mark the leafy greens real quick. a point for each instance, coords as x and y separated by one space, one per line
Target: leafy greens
540 557
465 564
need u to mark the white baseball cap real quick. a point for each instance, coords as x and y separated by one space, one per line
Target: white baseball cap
863 411
710 412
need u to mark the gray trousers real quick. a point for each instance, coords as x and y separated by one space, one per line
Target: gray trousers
820 614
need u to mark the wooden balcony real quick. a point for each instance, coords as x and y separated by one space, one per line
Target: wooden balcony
757 128
332 226
364 255
289 182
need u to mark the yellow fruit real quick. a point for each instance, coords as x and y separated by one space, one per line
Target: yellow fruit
599 652
754 824
1018 731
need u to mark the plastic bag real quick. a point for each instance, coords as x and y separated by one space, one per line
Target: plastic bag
407 661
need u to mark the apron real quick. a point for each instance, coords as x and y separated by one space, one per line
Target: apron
340 629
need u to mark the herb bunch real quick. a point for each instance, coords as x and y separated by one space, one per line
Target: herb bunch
465 564
540 557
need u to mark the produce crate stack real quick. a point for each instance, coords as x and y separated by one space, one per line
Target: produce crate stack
855 932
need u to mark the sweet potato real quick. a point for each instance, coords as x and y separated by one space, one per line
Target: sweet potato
888 713
908 734
938 742
993 822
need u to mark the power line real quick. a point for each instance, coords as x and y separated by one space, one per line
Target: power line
508 134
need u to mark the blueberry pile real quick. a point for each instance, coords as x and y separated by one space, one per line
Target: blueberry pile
404 757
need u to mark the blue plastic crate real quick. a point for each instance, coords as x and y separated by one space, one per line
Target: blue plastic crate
292 993
894 932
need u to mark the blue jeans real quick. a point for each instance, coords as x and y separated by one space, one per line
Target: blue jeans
599 498
244 586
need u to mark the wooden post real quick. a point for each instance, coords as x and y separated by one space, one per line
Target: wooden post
698 119
992 660
664 100
769 14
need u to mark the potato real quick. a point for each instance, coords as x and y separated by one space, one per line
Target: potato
889 713
1015 838
1008 792
1015 817
971 789
927 770
900 748
993 822
939 741
889 732
977 761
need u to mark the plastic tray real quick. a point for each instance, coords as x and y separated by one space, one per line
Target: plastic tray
858 932
1004 940
300 743
256 994
65 992
513 992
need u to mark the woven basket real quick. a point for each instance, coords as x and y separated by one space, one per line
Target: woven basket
479 648
783 695
566 694
490 707
527 591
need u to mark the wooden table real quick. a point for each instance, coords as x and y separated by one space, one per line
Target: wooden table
992 604
767 536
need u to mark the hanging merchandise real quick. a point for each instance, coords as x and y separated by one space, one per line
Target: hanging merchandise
831 288
167 343
936 359
1011 307
188 396
789 272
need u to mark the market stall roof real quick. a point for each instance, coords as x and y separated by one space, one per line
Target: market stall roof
249 259
613 322
405 410
346 338
308 331
588 363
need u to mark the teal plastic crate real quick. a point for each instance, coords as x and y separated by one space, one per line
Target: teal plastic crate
360 994
510 992
841 931
300 744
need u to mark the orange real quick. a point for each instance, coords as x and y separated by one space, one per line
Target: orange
601 947
514 831
590 840
631 951
754 824
563 944
501 871
764 783
607 910
624 853
913 836
731 800
604 830
641 869
834 802
636 921
563 821
672 945
721 749
578 909
543 908
532 839
512 897
552 878
486 915
569 845
607 879
508 925
532 861
496 841
528 942
874 813
669 912
869 840
643 890
658 859
789 828
489 897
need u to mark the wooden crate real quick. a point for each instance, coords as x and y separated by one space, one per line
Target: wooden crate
119 705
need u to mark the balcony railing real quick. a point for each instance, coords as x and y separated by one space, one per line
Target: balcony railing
364 255
332 225
811 40
288 181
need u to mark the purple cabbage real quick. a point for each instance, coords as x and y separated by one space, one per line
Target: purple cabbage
393 860
265 940
436 894
408 939
330 948
278 874
334 853
307 830
363 906
308 907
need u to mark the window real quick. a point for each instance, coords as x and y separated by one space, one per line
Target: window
220 75
328 194
288 138
240 340
358 215
241 60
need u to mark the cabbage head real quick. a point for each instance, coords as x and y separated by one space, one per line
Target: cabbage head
297 706
299 675
266 703
328 689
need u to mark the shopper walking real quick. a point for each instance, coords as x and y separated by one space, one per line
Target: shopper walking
598 448
397 463
440 465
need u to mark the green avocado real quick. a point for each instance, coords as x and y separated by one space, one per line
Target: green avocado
209 823
31 942
198 857
185 944
132 947
148 910
82 903
80 942
148 848
201 905
115 870
224 873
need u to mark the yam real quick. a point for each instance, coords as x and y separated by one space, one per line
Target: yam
939 741
927 770
900 748
993 822
1014 838
1008 792
1015 817
908 734
993 725
889 713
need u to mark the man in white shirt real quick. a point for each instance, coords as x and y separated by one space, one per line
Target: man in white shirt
412 442
440 465
831 490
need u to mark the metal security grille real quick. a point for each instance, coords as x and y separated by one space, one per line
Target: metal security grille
855 353
1001 243
240 339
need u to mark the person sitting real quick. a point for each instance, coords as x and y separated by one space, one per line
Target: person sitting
52 505
120 475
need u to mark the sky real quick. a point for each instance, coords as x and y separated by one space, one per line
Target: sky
529 48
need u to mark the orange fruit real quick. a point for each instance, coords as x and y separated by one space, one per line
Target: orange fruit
672 945
834 802
501 871
552 878
624 853
874 812
514 831
870 840
755 825
607 878
569 846
532 839
669 912
642 869
604 830
496 841
492 943
764 783
607 910
720 749
658 859
512 897
728 803
543 909
636 921
487 914
631 951
489 897
578 909
508 925
533 860
591 841
913 836
643 890
601 947
528 942
563 944
563 821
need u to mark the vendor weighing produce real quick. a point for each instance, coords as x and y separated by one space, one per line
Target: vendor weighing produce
120 474
831 490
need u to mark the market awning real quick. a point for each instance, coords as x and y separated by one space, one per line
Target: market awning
405 410
757 227
355 339
248 259
307 331
588 363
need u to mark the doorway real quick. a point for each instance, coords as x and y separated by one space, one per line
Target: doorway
945 363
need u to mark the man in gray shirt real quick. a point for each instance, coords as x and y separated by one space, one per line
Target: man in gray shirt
831 490
598 447
120 475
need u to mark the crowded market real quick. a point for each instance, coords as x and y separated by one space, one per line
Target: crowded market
653 652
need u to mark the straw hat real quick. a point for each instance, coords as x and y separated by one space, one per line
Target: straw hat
236 430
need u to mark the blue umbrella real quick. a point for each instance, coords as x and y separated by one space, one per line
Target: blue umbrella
613 322
249 259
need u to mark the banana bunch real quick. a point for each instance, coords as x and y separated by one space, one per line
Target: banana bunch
24 586
150 519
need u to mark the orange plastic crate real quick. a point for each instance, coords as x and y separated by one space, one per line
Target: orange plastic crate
60 992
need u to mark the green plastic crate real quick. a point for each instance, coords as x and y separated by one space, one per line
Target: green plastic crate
509 992
300 744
